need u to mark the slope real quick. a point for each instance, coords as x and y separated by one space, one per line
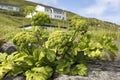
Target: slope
23 3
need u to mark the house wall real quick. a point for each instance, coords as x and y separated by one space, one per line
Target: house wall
30 15
9 7
40 8
49 11
57 14
52 12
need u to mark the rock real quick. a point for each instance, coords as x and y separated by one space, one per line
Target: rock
15 78
19 78
7 78
101 70
104 75
8 47
66 77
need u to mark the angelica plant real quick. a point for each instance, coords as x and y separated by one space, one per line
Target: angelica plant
41 54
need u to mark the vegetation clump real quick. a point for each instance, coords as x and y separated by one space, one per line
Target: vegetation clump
41 54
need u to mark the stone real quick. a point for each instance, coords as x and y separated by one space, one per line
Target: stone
67 77
100 70
19 78
7 78
14 78
8 47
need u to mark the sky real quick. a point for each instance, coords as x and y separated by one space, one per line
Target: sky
107 10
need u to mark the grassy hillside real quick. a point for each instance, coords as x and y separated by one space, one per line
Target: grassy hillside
20 3
7 20
9 25
93 22
14 20
102 24
23 4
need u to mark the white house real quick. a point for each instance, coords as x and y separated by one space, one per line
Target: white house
54 13
4 6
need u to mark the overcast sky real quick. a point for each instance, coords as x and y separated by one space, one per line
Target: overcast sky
108 10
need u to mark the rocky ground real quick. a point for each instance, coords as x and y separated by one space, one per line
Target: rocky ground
100 70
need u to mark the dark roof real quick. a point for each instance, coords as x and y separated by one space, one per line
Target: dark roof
57 9
8 4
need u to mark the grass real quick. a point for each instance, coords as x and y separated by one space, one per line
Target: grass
100 32
21 3
7 32
7 20
9 23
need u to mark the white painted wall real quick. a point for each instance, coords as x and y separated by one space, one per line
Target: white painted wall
7 7
61 15
30 15
40 8
16 9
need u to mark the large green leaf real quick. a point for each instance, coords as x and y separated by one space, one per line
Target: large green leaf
30 60
39 73
3 56
37 52
63 67
30 75
80 69
5 67
51 55
17 56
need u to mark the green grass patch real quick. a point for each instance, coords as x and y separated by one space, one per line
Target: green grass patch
7 32
7 20
99 32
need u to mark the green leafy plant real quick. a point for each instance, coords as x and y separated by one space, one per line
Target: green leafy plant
29 10
39 73
40 18
24 41
41 54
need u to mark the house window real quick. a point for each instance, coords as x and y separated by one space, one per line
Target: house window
48 10
45 9
59 12
10 7
54 11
